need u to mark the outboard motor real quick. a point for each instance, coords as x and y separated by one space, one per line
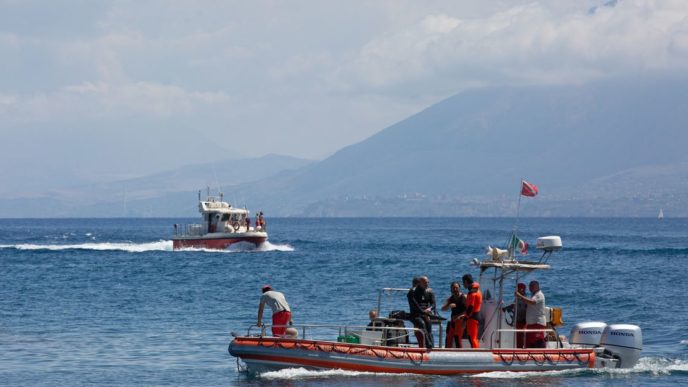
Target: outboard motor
587 334
622 342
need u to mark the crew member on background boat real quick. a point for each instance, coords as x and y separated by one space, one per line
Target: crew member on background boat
261 221
535 315
248 223
281 313
474 301
455 326
422 305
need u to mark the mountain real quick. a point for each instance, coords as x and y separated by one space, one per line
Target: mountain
478 144
36 158
168 193
606 148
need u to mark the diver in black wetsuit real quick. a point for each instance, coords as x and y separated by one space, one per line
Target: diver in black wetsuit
422 304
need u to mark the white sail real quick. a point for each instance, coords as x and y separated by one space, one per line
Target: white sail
661 214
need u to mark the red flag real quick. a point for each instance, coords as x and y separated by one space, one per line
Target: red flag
528 189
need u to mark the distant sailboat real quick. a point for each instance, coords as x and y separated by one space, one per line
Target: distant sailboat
661 214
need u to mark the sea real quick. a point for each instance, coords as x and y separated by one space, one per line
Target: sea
108 302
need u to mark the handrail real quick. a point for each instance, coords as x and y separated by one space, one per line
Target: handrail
520 330
387 291
346 329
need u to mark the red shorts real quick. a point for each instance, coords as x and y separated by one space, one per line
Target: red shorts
280 318
535 339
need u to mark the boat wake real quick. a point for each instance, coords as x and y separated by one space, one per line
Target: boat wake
302 373
104 246
244 247
148 246
646 365
527 375
265 246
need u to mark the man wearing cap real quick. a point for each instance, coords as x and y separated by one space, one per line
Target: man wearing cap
281 313
535 316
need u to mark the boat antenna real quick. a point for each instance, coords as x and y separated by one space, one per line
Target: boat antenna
518 206
525 189
510 241
217 181
124 202
199 195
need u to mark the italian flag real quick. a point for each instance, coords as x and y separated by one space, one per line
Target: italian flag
517 244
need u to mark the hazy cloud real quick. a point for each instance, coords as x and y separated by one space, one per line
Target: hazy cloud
88 101
331 72
529 43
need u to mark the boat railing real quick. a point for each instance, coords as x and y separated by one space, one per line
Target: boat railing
361 334
188 229
543 330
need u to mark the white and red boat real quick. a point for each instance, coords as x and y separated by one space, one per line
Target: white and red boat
221 226
390 347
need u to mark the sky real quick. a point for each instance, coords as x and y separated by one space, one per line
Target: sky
300 78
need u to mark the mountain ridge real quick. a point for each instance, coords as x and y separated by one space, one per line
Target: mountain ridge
469 152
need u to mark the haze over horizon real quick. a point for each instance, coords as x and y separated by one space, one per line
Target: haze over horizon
97 92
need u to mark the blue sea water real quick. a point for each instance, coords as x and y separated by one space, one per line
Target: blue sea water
107 301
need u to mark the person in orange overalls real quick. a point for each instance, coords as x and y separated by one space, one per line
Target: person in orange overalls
474 301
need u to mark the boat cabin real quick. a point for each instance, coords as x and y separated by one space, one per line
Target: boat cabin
220 216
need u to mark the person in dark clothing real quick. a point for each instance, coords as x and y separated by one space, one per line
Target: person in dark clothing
413 305
455 326
422 304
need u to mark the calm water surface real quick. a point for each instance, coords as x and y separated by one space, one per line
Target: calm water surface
106 301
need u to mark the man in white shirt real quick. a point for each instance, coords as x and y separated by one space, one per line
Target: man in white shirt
535 315
281 313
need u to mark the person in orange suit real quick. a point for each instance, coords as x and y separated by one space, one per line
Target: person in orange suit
474 301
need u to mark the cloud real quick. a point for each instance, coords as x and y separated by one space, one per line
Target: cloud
530 43
9 40
440 24
98 100
275 68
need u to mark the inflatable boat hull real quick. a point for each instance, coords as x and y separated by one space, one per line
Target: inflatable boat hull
269 354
